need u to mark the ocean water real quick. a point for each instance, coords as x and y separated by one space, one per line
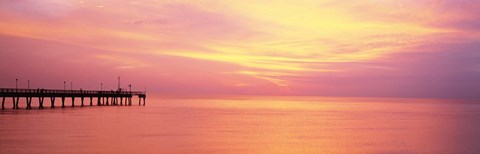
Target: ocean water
247 124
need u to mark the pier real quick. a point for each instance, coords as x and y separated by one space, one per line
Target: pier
100 98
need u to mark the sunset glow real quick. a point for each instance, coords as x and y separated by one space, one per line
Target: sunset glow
401 48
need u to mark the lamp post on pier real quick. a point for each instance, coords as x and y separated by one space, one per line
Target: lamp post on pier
118 88
71 85
101 86
130 87
64 85
28 84
16 84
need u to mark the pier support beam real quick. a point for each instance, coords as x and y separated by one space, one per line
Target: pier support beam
73 101
121 101
81 98
29 103
52 101
107 101
63 102
14 102
40 102
98 101
144 101
91 101
3 103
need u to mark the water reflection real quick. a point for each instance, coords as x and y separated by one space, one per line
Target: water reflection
249 125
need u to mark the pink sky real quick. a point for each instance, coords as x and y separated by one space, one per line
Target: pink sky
386 48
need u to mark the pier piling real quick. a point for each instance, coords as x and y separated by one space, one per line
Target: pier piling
40 102
3 103
52 100
107 101
81 99
29 102
73 101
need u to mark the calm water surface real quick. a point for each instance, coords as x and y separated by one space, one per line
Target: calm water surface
244 124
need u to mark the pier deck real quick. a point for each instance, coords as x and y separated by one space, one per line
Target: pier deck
102 97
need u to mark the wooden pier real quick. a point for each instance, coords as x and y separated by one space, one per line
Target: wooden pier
103 98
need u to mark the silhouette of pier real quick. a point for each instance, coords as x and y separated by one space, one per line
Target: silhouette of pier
102 98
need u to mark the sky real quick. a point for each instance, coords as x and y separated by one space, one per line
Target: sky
371 48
